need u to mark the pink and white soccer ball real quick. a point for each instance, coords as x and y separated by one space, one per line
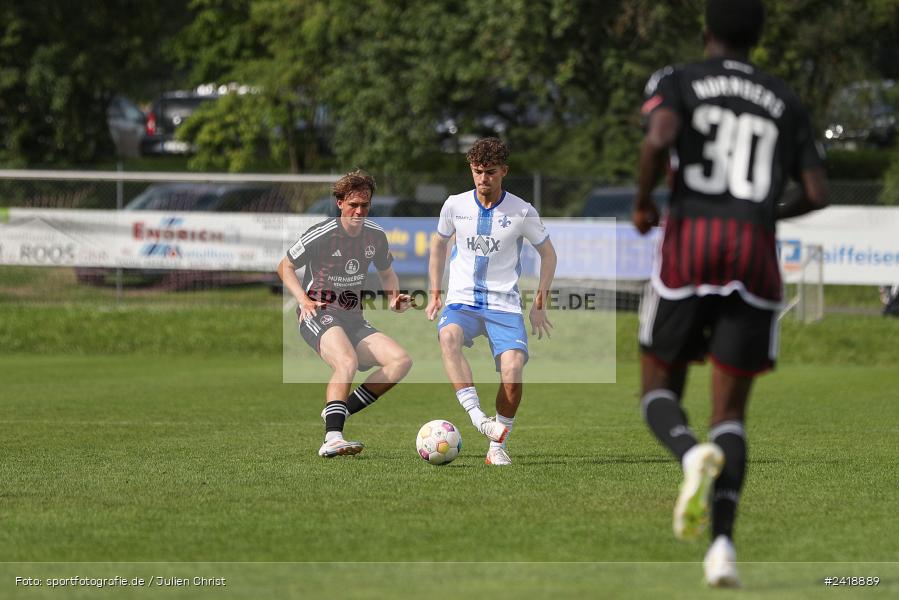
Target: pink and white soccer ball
438 442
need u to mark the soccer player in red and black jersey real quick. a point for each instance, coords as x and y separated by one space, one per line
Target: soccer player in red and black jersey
336 254
733 135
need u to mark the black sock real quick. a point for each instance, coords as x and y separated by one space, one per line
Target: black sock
731 438
666 419
361 398
335 415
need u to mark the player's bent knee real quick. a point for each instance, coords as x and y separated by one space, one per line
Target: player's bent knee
406 363
401 366
512 360
511 377
451 338
346 367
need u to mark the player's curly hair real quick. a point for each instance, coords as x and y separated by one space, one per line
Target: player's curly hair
737 23
488 151
354 181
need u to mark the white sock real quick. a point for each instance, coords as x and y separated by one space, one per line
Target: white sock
333 435
508 422
468 398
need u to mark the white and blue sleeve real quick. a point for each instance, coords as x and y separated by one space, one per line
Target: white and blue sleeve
534 229
445 226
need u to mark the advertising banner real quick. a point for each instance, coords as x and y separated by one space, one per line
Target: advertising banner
258 241
147 239
860 244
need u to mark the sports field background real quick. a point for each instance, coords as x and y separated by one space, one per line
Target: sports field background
156 439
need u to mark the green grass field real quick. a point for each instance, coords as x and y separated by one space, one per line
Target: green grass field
160 441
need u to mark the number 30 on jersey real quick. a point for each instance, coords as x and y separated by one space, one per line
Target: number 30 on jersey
734 166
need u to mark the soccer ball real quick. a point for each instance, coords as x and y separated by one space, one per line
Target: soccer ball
438 442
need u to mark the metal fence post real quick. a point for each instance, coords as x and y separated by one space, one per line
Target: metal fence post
119 202
538 192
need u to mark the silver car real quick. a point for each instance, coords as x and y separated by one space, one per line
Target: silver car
127 126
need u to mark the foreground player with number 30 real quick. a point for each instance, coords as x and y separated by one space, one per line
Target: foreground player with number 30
735 135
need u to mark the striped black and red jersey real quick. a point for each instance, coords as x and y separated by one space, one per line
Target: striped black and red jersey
743 134
336 262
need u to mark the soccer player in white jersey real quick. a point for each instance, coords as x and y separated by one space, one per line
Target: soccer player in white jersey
489 225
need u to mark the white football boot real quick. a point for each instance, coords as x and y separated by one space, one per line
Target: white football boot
720 564
494 430
702 464
497 456
340 447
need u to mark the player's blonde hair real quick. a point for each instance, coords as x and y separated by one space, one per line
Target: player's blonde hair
354 181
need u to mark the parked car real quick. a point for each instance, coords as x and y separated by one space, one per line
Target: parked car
168 112
242 197
455 137
863 114
458 130
267 198
381 206
618 202
127 126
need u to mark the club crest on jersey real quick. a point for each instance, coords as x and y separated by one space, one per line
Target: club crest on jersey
504 221
352 266
369 251
483 244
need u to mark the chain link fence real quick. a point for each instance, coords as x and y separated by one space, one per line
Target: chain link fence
554 196
858 193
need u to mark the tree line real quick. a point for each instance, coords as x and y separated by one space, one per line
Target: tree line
380 83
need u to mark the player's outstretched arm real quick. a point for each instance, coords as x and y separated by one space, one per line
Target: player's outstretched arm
288 275
813 195
540 323
660 135
390 283
436 266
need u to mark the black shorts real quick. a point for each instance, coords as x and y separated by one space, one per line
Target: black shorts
353 324
739 337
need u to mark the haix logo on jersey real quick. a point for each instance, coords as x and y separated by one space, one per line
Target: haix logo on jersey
483 244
